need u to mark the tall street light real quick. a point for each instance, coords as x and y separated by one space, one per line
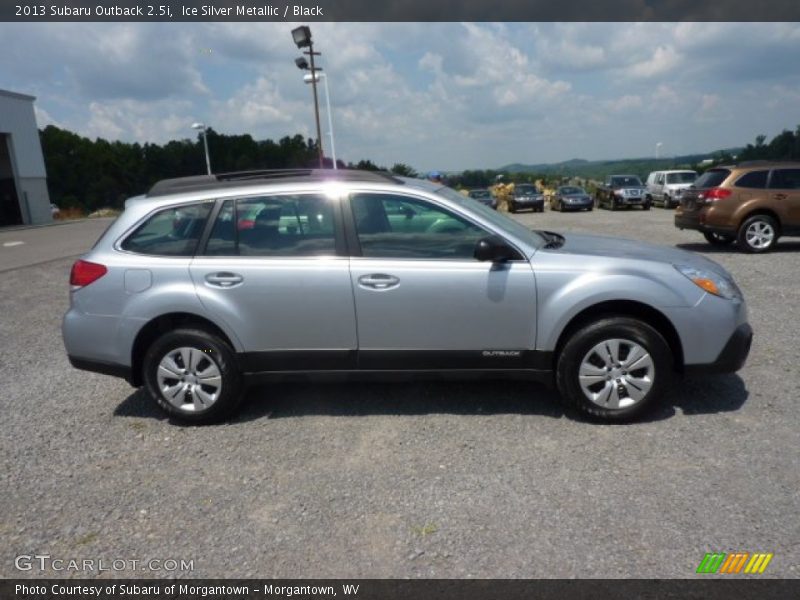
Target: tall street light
302 37
202 127
309 78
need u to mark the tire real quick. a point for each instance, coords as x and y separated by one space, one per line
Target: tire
758 234
718 239
208 359
667 202
634 391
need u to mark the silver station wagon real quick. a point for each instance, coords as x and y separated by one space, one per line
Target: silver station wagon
206 284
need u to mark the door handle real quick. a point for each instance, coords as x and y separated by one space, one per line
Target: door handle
224 279
378 281
780 196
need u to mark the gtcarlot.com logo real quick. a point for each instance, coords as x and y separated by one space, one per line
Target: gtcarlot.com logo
734 562
46 562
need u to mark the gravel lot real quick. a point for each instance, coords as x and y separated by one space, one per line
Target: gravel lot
405 479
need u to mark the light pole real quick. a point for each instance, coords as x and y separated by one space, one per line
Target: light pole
302 37
658 149
202 127
308 77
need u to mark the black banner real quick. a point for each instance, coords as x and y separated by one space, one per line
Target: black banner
373 589
399 10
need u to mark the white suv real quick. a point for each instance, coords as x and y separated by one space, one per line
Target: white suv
665 188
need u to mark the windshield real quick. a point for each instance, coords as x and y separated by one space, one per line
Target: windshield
568 190
686 177
499 220
525 189
625 180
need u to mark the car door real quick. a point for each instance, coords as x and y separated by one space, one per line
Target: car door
658 188
275 270
784 189
423 301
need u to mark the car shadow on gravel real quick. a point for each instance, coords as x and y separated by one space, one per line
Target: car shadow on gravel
708 394
704 248
400 398
348 399
692 395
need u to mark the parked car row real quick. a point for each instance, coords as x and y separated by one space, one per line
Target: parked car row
753 204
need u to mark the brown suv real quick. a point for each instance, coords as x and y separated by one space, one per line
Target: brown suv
752 203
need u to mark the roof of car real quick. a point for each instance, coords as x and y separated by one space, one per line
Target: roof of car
197 183
766 163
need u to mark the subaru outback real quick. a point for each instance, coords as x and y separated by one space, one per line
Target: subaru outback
752 203
207 284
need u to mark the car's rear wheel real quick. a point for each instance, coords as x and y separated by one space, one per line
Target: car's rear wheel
758 234
192 375
614 369
718 239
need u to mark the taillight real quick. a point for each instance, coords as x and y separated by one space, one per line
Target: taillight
85 272
715 194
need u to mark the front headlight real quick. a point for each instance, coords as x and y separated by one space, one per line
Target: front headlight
711 282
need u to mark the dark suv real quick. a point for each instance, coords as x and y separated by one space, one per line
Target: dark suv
752 203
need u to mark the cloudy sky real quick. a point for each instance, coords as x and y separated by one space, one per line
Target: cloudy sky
433 95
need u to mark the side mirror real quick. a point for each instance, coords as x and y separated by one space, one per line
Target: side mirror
493 248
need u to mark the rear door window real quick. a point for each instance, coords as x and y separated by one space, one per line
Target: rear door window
282 225
712 178
785 179
170 232
753 180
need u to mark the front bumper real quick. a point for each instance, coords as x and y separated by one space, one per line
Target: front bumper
529 202
733 354
577 205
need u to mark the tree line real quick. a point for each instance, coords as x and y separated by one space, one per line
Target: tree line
91 174
87 174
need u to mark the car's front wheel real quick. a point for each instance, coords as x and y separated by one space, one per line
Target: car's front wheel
614 369
192 374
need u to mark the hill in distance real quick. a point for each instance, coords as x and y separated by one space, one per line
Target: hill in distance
599 169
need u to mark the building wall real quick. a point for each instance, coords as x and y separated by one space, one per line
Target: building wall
17 119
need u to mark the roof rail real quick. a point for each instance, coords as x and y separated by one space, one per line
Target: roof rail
238 178
771 161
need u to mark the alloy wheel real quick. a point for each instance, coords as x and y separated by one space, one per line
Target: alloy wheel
759 234
189 379
616 373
